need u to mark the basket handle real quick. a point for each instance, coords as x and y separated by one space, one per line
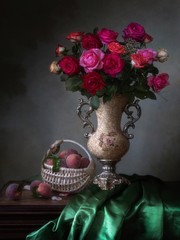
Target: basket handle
55 147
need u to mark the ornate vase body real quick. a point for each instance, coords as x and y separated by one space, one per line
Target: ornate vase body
108 143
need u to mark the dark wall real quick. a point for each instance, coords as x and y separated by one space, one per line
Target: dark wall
35 109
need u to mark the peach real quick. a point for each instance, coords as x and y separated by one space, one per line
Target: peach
73 160
13 192
84 162
65 153
49 161
44 190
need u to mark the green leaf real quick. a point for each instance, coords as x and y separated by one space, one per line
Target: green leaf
94 102
56 163
63 77
106 98
140 95
73 83
144 94
143 89
95 30
75 49
111 90
152 69
151 95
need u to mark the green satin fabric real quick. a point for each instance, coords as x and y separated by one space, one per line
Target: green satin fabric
148 209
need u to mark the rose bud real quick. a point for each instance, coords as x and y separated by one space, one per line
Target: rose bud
162 55
44 190
55 148
59 50
54 68
147 38
75 36
13 191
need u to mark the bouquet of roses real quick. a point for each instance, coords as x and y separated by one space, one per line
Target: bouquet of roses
100 66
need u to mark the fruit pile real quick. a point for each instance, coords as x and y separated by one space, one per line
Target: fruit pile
69 158
38 188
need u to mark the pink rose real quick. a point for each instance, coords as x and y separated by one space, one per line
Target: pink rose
158 82
143 57
116 47
106 35
69 65
134 31
93 82
75 36
113 64
92 59
148 54
90 41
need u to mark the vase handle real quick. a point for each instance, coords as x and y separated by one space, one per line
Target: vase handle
132 119
85 117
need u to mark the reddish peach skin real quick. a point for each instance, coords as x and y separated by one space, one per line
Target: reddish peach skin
12 191
84 162
73 160
65 153
49 161
44 190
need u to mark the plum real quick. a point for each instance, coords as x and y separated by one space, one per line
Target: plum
13 191
34 184
84 162
73 160
63 163
44 190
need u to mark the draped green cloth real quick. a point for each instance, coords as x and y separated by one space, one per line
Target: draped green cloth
147 209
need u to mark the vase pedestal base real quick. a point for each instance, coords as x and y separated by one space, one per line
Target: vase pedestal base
108 179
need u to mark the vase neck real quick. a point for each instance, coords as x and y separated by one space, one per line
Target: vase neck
110 112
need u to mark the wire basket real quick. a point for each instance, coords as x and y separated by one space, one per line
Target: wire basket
66 179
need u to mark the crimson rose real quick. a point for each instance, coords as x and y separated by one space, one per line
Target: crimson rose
90 41
93 82
113 64
69 65
158 82
107 35
99 65
134 31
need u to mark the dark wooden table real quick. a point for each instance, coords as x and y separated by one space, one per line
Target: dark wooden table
20 217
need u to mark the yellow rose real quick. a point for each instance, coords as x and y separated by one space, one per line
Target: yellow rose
54 68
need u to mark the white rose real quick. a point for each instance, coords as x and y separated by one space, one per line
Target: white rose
162 55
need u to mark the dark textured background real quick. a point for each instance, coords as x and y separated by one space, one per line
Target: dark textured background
35 109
